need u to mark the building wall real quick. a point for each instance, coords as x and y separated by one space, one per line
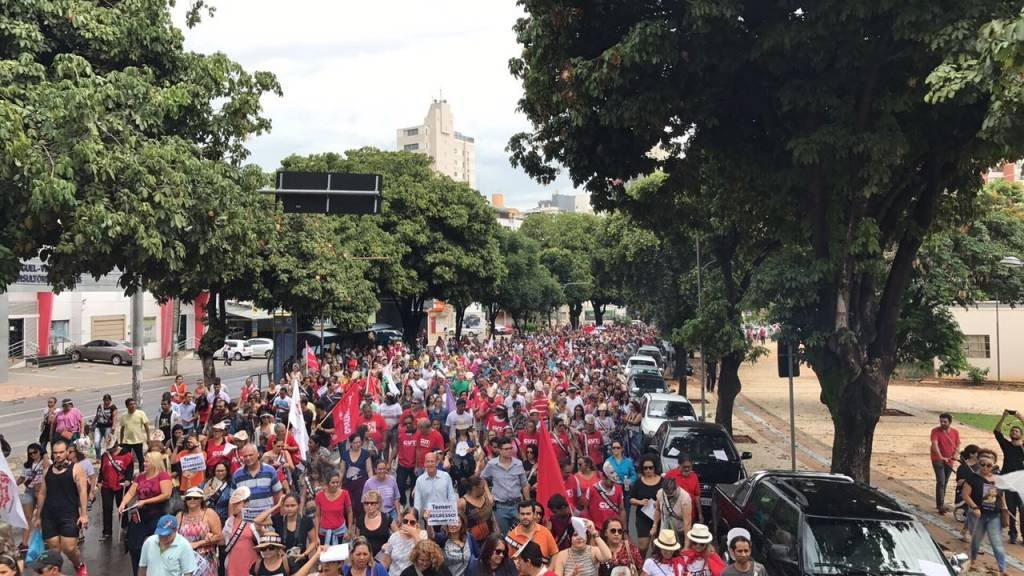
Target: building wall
978 323
453 154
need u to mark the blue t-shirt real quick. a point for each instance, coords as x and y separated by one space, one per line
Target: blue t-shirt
262 488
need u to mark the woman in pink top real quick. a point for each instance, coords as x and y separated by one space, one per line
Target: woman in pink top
68 422
239 536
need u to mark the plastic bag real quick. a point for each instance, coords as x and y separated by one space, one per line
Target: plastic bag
35 546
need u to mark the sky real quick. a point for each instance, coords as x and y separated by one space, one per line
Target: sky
353 72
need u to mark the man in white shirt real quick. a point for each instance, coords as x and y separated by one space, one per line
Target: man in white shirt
433 487
217 392
459 416
573 400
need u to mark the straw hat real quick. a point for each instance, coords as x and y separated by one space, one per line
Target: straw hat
241 494
700 534
666 539
156 436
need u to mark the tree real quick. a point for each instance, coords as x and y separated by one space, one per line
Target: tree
567 242
867 117
529 288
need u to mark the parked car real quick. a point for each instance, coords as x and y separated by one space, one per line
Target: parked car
653 352
504 330
642 381
472 324
815 523
715 458
658 408
236 349
261 346
114 351
640 361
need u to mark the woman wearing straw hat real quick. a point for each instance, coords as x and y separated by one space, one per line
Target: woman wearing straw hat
273 561
201 527
699 558
663 561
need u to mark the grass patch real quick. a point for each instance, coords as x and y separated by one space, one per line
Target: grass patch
985 421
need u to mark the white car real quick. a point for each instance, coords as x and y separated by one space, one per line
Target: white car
261 347
236 350
658 407
641 362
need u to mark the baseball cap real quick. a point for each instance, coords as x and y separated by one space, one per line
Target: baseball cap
46 559
166 525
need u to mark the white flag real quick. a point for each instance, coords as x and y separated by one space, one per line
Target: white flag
389 380
1013 481
10 503
297 422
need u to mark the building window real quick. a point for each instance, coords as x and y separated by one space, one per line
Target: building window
412 131
977 346
149 329
410 147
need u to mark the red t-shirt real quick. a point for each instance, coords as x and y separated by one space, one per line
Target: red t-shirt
561 444
429 442
214 454
574 491
289 442
110 478
333 513
407 443
496 424
592 445
541 405
376 427
948 441
602 507
416 416
526 439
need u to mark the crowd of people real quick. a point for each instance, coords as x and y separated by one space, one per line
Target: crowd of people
987 508
437 470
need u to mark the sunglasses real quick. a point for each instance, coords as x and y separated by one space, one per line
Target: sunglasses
616 447
499 551
374 502
615 530
647 468
408 522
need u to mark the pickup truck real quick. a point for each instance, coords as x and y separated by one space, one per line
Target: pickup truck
815 523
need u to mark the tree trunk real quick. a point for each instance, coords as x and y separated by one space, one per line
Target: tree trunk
172 365
460 314
575 311
598 313
213 339
411 311
728 388
492 316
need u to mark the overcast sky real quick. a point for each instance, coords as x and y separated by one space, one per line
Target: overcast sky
354 71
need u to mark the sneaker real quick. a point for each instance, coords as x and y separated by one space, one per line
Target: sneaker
104 538
82 570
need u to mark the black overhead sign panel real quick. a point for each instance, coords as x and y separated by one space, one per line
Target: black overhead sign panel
328 192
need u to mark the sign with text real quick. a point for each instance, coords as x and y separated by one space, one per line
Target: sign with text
192 462
442 514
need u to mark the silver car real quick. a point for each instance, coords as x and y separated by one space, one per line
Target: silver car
261 347
115 352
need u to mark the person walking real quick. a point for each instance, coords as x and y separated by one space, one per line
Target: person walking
62 511
398 549
531 530
372 524
644 495
624 553
31 478
740 549
433 487
145 502
117 468
201 527
945 446
988 505
167 552
361 560
239 536
387 488
333 512
968 467
586 553
68 423
134 431
1013 460
508 481
103 423
494 559
673 509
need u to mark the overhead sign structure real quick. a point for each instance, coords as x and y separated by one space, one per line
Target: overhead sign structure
328 192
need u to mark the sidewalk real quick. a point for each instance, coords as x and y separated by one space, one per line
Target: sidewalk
900 465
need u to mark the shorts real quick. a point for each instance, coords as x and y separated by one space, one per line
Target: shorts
28 498
63 525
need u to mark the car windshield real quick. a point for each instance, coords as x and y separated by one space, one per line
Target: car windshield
649 384
642 362
703 446
841 545
670 409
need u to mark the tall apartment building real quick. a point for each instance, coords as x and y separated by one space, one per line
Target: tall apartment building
453 153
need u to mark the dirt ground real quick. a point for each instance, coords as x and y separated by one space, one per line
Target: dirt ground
901 463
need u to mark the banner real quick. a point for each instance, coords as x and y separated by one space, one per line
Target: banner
192 462
10 503
547 467
297 422
442 514
389 380
345 415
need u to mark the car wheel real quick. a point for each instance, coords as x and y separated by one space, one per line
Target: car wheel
76 356
115 360
268 354
237 356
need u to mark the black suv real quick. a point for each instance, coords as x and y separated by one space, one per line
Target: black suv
814 523
715 458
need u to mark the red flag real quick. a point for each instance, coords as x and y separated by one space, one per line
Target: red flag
345 415
548 468
312 364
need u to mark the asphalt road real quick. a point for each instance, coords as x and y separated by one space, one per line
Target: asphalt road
19 423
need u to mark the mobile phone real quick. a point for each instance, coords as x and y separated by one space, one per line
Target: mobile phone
1011 412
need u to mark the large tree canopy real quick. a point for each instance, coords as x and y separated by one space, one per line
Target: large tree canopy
868 119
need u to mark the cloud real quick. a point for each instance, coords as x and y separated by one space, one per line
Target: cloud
354 72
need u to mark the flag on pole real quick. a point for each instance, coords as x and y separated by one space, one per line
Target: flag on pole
389 380
548 468
297 422
312 364
345 415
10 503
1013 481
449 397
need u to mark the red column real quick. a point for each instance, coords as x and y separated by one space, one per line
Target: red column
44 305
166 320
200 313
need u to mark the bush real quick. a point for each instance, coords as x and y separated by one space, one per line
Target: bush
976 376
915 370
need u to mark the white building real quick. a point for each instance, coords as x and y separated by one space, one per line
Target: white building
453 153
559 203
993 336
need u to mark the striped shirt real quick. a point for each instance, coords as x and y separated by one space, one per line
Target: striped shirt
264 486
